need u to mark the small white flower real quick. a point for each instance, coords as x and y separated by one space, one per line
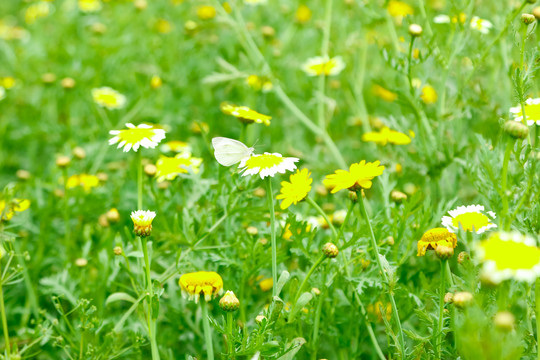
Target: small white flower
470 218
142 217
135 136
481 25
267 164
441 19
108 98
323 65
532 111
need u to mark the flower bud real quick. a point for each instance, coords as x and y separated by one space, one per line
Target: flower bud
259 192
79 153
48 78
527 19
516 129
321 190
252 230
462 299
142 222
259 319
463 257
449 298
397 196
353 196
330 250
63 161
67 83
102 221
118 250
536 12
316 291
140 4
23 174
229 302
415 30
504 320
268 31
113 215
150 170
444 252
156 82
390 241
81 262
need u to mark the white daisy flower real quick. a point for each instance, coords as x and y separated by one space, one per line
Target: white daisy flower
108 98
323 65
509 256
142 222
532 111
135 136
482 25
267 164
469 218
441 19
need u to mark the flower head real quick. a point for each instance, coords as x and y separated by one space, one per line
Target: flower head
296 190
229 302
267 164
384 93
532 111
434 238
142 222
387 136
470 218
135 136
108 98
399 8
87 182
481 25
37 11
509 256
89 5
259 83
175 146
7 210
359 176
323 65
169 167
207 283
245 114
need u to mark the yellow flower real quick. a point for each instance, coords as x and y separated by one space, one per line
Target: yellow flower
323 65
89 5
156 82
434 238
259 83
383 93
245 114
296 190
375 310
429 94
532 111
142 222
287 233
509 256
207 283
303 14
134 137
87 182
266 284
163 26
359 176
267 164
108 98
175 146
16 205
387 136
399 8
8 82
206 12
168 168
12 32
470 218
37 10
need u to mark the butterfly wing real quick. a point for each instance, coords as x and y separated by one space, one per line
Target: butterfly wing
229 151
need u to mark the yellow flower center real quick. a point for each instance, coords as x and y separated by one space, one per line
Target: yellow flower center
265 161
471 220
133 136
434 238
510 254
323 68
108 99
532 111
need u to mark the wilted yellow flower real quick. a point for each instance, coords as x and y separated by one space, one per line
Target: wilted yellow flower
37 11
89 5
303 14
7 210
434 238
207 283
429 94
168 168
135 136
245 114
108 98
296 190
471 218
359 176
206 12
87 182
323 65
383 93
387 136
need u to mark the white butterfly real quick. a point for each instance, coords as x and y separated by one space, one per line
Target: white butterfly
229 151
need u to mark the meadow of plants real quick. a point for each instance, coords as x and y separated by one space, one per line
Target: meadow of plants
279 179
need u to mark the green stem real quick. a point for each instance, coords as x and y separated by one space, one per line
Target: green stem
304 283
139 180
409 65
67 229
345 221
4 319
537 300
323 214
504 181
442 291
230 338
395 313
150 294
270 198
324 53
206 328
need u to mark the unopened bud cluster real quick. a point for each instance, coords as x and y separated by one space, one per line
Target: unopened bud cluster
330 250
